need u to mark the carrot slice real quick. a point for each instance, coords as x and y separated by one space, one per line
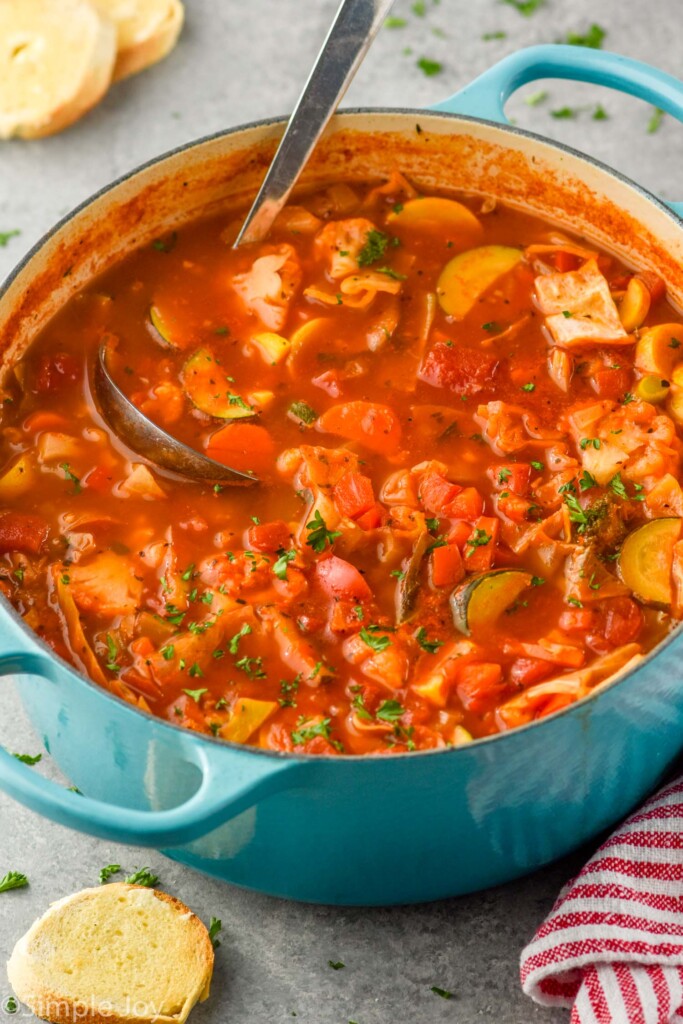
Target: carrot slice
375 426
242 446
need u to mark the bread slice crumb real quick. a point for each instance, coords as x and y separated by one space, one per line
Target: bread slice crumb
146 31
57 59
121 953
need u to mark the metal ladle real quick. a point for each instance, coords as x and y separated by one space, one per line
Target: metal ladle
354 27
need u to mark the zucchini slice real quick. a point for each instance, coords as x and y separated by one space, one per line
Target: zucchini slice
646 558
467 276
161 330
210 388
481 600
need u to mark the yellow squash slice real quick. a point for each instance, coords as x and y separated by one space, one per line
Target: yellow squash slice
467 276
646 558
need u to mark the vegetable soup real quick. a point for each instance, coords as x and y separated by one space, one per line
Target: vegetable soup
465 429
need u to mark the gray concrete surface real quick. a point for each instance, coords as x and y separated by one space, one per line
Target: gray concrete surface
237 62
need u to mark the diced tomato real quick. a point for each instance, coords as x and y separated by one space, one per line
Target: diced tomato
468 504
100 479
459 534
269 536
512 476
463 370
514 508
338 578
653 283
21 532
612 381
526 671
565 261
353 495
479 686
481 544
344 617
56 371
375 426
620 621
243 446
373 518
435 492
447 567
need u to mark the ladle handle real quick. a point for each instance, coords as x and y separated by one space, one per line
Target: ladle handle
353 29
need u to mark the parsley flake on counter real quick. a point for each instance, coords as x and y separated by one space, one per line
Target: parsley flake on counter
215 926
336 965
11 1005
525 7
143 876
5 236
564 113
536 97
489 36
600 114
394 22
429 67
655 121
443 992
593 38
107 871
13 880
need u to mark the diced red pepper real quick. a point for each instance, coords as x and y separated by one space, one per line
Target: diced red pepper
565 261
480 686
269 536
611 381
447 567
435 492
514 508
373 518
511 476
56 371
21 532
526 671
481 544
100 479
464 371
468 504
620 621
353 495
459 534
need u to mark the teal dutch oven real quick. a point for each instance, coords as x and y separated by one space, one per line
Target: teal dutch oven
356 830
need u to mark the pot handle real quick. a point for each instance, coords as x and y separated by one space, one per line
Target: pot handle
487 95
221 796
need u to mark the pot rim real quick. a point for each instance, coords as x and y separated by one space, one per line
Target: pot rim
8 608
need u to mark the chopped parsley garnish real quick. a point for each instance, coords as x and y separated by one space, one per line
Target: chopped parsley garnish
13 880
6 235
529 386
674 343
535 98
587 481
590 442
431 646
490 326
537 581
107 871
503 475
167 652
215 926
374 642
391 273
567 314
628 397
195 671
390 711
576 513
429 67
600 114
196 695
336 965
68 475
283 560
237 400
480 539
538 466
654 124
11 1005
443 992
308 731
593 38
394 22
489 36
373 250
143 876
112 654
319 536
563 114
28 758
304 412
575 601
432 523
252 667
398 573
189 573
233 645
165 244
288 687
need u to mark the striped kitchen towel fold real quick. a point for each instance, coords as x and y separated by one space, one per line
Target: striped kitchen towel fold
612 946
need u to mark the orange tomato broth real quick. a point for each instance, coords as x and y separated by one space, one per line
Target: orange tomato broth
270 614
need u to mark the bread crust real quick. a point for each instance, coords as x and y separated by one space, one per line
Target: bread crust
151 46
34 20
49 1004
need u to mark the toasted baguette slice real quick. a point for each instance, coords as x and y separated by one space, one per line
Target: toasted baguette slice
146 31
56 61
120 953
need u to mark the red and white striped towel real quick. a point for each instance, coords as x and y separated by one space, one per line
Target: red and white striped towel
612 946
